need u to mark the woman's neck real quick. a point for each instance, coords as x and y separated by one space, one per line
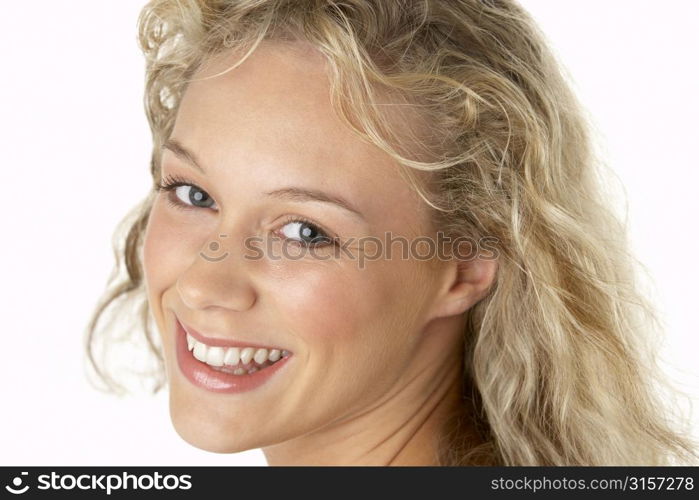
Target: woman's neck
405 429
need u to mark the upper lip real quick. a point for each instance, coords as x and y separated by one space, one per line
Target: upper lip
219 342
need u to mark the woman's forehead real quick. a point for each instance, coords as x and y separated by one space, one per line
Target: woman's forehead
271 120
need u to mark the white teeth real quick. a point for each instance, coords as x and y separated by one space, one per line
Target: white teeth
252 370
214 356
232 356
260 356
200 351
246 355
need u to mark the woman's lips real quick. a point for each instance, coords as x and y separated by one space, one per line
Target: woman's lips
211 341
213 378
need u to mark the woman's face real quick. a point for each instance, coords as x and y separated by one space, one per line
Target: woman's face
352 331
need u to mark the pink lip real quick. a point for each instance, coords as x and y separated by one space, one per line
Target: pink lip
220 342
204 376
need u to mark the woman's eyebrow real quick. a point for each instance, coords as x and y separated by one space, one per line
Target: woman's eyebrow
290 193
305 194
183 153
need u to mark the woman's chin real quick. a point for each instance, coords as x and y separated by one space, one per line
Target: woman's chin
213 431
207 438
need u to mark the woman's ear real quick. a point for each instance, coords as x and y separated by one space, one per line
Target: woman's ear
464 283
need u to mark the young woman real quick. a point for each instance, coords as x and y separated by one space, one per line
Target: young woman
377 236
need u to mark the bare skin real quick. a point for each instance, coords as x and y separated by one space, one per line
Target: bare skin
375 367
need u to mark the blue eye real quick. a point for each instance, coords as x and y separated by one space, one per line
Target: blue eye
191 195
309 233
186 194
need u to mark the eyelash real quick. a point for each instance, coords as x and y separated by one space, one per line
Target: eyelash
170 183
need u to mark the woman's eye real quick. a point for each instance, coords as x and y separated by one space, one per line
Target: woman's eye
305 233
193 196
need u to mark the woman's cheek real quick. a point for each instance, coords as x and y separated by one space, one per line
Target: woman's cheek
156 241
166 249
327 302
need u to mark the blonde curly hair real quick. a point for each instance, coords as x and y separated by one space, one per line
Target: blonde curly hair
559 359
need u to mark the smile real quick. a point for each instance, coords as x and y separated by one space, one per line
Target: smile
235 360
217 367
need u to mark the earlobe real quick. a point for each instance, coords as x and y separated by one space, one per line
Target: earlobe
466 283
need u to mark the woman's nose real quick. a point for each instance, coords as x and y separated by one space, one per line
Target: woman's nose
217 277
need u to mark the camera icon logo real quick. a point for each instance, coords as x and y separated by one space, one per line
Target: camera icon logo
17 482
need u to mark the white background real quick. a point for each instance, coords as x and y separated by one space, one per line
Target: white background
75 152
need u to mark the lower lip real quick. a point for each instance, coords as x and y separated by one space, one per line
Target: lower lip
204 376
